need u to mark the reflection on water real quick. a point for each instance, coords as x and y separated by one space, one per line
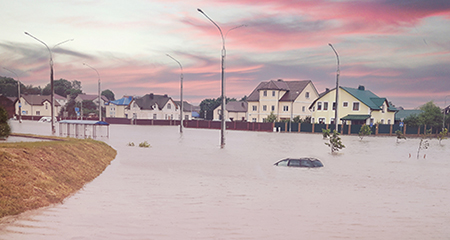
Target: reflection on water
186 187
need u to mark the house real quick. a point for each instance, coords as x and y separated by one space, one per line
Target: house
356 106
403 114
152 106
8 104
91 97
234 111
38 105
189 111
117 108
285 99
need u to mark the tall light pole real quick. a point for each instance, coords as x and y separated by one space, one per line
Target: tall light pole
223 126
337 89
18 93
443 113
181 93
52 103
99 94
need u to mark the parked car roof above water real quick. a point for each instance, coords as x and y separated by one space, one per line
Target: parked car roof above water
300 162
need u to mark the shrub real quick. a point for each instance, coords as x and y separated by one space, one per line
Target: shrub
144 144
335 142
364 131
5 130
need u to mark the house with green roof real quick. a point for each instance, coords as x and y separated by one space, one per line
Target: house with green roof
356 106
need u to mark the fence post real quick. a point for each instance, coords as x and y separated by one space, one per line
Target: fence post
312 128
299 126
390 129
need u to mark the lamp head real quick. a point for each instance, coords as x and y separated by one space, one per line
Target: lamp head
198 9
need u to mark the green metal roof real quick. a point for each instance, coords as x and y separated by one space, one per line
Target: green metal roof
402 114
366 97
355 117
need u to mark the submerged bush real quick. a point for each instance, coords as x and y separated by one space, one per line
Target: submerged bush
144 144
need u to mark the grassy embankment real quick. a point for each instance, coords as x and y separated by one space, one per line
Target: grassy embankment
37 174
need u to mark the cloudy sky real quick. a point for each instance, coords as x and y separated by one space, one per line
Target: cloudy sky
397 49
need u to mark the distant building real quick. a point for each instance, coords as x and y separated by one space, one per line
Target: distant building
152 106
93 98
356 106
234 111
8 104
285 99
189 111
38 105
117 108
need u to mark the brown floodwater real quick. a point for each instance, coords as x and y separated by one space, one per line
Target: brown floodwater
186 187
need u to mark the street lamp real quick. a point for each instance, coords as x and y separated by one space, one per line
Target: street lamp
99 95
337 89
18 93
52 104
223 126
443 113
181 93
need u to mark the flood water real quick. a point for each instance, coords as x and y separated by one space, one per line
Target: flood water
186 187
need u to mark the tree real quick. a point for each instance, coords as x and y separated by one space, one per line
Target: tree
207 106
108 94
271 118
5 130
63 88
413 120
364 131
326 133
424 144
335 143
431 115
442 135
399 135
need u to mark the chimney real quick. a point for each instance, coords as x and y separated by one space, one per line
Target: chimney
361 87
151 95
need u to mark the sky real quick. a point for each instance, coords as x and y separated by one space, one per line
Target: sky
396 49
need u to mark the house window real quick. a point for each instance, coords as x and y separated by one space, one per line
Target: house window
38 113
273 93
334 106
331 120
285 108
356 106
265 93
325 106
382 121
345 104
186 117
273 107
169 106
254 108
389 121
307 94
319 106
253 119
46 106
382 109
303 109
155 116
171 116
321 120
264 107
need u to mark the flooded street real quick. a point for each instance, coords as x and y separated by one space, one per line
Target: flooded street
186 187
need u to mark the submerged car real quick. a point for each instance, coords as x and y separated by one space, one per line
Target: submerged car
300 162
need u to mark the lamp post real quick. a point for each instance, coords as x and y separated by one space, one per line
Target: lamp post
443 113
99 94
223 126
18 93
337 89
181 93
52 104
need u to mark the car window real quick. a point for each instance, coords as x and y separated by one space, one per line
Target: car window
282 163
305 163
294 163
317 163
